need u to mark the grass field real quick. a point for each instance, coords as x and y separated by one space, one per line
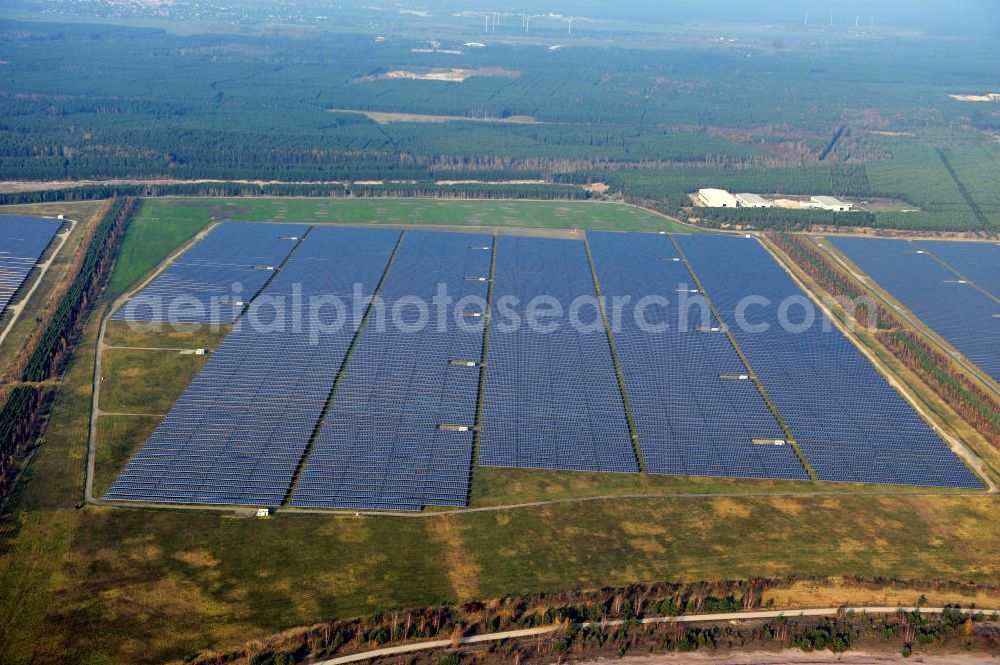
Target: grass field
501 487
142 381
110 585
121 333
532 214
149 239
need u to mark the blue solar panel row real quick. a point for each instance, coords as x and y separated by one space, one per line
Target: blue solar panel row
976 261
689 419
960 313
849 422
237 434
381 445
22 242
214 280
552 398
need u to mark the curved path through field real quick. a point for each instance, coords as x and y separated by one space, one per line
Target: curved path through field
695 618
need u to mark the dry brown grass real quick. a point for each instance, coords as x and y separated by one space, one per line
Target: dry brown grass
462 569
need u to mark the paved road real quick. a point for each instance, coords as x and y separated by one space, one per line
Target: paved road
43 268
694 618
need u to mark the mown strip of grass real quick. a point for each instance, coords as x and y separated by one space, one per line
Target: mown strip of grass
472 212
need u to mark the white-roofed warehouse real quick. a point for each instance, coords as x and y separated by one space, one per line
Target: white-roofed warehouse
748 200
716 198
830 203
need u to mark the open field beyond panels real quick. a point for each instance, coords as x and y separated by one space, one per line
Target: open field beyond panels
481 213
98 584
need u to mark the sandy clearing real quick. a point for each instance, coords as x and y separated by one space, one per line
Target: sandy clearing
453 75
988 97
385 118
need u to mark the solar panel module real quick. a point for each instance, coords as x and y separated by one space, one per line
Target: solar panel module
385 443
23 240
324 416
977 261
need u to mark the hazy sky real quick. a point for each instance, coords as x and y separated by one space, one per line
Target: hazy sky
939 16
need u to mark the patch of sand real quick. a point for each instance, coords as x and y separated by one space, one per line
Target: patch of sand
384 118
893 133
988 97
453 75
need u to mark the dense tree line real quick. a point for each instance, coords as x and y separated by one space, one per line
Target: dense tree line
779 218
24 406
53 350
970 401
869 313
973 204
850 180
19 419
423 189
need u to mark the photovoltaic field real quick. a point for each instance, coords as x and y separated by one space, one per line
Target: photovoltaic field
22 242
953 287
370 402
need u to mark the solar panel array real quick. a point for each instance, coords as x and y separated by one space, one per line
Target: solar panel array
214 280
395 432
381 445
849 422
960 313
693 412
238 433
552 398
22 242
